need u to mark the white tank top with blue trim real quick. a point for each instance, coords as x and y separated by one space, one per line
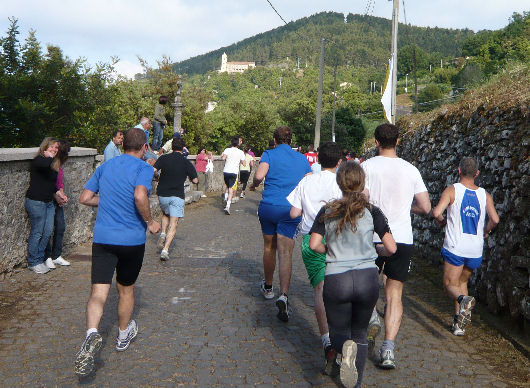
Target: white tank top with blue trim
464 232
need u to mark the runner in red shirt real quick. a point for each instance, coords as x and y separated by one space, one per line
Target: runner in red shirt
311 155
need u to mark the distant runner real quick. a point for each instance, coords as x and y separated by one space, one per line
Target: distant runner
233 157
467 206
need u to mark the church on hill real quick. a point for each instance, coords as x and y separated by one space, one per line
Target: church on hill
234 67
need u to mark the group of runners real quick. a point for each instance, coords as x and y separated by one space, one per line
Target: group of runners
355 222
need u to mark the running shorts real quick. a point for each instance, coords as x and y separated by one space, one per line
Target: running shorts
276 220
230 179
472 263
172 206
127 260
315 263
397 266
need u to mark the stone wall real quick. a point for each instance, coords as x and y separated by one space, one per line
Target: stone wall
499 139
14 220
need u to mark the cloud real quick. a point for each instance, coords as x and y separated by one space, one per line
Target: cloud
179 29
128 69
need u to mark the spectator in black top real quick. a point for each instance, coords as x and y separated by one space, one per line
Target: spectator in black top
173 168
39 203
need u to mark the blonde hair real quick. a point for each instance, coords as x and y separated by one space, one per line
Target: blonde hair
350 178
46 143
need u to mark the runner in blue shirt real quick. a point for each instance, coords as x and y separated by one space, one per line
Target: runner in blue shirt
123 184
282 168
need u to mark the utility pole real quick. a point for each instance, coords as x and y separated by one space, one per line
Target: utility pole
319 96
334 98
395 14
415 80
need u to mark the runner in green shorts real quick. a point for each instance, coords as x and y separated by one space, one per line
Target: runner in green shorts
306 199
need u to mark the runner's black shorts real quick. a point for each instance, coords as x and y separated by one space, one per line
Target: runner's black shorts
126 260
230 179
397 266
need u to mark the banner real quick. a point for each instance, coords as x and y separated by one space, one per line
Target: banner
386 98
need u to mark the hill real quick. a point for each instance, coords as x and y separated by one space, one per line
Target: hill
301 39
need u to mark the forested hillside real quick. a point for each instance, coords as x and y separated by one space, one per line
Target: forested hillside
44 93
360 39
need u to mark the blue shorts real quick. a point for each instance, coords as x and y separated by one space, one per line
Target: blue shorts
276 220
172 206
459 260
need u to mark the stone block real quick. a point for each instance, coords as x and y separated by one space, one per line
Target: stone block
520 262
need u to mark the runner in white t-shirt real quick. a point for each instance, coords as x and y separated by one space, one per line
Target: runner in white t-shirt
396 187
307 198
465 230
233 157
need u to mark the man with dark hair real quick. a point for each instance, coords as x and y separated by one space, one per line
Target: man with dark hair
175 168
393 184
159 122
118 245
282 168
112 150
306 200
145 125
233 157
465 230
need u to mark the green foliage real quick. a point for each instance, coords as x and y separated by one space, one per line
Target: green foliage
349 129
492 50
470 75
428 97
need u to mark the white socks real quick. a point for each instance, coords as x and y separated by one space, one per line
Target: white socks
325 340
123 333
90 331
226 197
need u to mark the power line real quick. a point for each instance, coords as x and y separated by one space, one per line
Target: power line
276 11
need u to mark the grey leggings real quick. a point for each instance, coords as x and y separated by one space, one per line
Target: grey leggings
349 299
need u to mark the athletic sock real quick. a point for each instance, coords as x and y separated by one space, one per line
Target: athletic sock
387 345
162 235
90 331
226 197
123 333
326 342
460 298
228 205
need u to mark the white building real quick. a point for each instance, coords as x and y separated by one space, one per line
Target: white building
234 67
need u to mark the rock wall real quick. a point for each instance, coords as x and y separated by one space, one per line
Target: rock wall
499 140
14 220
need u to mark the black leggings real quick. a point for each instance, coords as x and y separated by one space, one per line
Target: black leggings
244 175
349 299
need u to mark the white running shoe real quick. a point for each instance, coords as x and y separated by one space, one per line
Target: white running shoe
348 371
267 293
61 261
164 255
39 268
49 263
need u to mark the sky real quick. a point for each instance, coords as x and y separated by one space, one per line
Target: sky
179 29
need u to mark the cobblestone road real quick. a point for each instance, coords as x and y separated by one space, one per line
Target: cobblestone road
203 322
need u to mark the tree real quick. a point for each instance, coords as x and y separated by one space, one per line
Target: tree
429 97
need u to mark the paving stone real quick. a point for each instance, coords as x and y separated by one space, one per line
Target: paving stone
221 332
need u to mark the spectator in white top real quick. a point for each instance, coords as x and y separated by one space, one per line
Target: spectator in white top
396 187
233 157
